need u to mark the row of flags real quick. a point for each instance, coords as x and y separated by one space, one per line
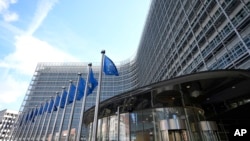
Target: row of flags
73 94
109 68
54 103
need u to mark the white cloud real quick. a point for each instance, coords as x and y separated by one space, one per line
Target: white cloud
13 1
18 67
10 29
7 15
10 17
11 89
3 5
29 51
44 6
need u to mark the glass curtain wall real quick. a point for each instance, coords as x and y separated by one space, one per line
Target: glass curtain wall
159 124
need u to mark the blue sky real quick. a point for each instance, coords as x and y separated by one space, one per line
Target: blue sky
33 31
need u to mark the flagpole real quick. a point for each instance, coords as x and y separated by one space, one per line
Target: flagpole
24 127
64 109
83 105
28 127
72 109
95 123
51 112
54 125
33 126
36 131
30 123
46 113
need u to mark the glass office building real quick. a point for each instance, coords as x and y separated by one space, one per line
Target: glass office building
187 36
180 37
49 78
204 106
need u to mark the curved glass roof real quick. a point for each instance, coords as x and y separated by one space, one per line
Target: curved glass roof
199 90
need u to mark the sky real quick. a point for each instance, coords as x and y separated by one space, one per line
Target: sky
33 31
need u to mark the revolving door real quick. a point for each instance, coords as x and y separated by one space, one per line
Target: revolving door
173 130
175 126
159 124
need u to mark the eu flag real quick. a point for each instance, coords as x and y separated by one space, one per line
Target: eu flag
109 67
57 102
92 82
41 110
81 87
31 115
35 114
64 97
46 107
27 118
51 105
21 121
71 93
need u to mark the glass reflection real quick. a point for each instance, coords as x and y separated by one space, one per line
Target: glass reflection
159 124
124 127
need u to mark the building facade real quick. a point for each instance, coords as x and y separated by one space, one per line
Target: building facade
183 37
204 106
7 119
180 37
49 78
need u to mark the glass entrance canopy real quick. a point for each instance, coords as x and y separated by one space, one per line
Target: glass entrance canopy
188 108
